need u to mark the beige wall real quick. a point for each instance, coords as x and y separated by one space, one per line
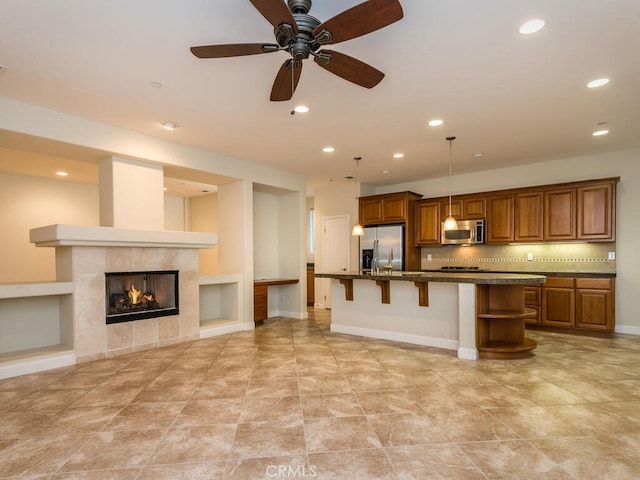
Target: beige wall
203 217
30 202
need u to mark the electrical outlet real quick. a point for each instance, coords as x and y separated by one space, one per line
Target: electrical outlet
612 255
429 258
529 257
281 299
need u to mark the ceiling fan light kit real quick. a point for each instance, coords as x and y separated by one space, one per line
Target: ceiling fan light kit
302 35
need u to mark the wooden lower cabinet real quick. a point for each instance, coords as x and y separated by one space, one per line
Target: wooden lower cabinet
311 295
260 302
559 302
533 300
595 303
575 303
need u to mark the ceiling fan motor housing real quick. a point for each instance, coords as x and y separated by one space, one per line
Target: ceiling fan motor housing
302 44
299 6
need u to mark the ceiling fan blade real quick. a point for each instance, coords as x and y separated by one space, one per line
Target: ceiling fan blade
276 12
233 50
349 68
364 18
282 87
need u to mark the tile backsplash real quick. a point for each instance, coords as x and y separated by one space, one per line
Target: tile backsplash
547 257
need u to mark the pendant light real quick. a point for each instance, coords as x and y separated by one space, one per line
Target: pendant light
357 230
450 223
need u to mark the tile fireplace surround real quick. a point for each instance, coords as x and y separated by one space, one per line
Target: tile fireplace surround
84 254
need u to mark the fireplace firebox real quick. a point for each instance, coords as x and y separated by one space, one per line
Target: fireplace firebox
139 295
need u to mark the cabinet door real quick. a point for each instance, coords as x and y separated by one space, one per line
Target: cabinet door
428 223
560 214
532 300
456 208
595 303
558 306
595 212
394 208
474 208
594 309
311 297
500 216
529 208
370 211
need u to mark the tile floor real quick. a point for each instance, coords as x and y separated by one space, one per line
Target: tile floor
292 400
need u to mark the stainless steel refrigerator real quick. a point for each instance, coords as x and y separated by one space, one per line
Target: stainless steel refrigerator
381 245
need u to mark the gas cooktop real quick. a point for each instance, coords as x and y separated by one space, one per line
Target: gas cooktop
457 268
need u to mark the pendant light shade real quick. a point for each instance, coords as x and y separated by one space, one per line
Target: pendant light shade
450 222
357 230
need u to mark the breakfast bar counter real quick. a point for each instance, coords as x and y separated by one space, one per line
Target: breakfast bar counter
480 315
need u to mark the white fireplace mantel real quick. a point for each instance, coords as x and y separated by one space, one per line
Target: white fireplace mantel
60 235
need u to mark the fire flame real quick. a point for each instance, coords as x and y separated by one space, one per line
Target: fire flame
136 296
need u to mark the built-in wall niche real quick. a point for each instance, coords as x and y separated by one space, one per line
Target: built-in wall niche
219 302
140 295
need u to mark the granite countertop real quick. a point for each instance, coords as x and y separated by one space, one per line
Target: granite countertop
465 277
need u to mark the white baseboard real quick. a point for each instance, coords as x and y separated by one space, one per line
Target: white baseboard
223 329
468 353
37 364
396 337
285 313
628 329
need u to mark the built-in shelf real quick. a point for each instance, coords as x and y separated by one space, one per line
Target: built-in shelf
220 304
36 324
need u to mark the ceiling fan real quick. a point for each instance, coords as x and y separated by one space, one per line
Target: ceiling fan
301 35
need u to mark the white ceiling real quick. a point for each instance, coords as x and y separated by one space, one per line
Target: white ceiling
518 99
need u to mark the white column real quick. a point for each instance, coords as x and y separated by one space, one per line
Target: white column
131 194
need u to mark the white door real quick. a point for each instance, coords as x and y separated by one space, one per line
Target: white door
335 250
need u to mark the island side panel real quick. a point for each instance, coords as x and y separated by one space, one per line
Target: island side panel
467 321
403 319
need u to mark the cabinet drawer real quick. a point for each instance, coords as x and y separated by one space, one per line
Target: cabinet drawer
562 282
260 301
597 283
532 296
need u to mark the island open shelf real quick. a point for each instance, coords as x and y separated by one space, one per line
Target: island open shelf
500 322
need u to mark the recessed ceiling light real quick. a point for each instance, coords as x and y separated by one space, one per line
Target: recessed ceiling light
398 155
328 149
156 84
599 82
435 123
478 154
532 26
599 133
62 174
169 126
384 172
301 109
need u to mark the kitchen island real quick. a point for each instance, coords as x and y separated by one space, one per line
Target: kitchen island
480 315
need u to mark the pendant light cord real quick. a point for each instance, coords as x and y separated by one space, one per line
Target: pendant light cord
450 139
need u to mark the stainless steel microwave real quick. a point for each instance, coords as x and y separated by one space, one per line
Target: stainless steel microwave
468 232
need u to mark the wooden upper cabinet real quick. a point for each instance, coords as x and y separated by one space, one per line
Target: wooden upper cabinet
394 209
474 207
596 212
456 208
560 214
387 208
529 207
370 210
500 218
427 223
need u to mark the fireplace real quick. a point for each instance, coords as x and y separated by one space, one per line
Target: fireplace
139 295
